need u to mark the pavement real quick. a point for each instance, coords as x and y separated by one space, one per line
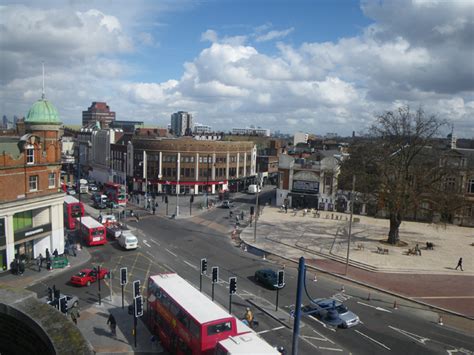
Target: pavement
429 279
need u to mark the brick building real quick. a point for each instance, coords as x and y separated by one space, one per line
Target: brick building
98 112
31 202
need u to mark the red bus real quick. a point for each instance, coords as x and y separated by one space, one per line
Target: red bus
249 343
186 321
72 209
116 193
92 231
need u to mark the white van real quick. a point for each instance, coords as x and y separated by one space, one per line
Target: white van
127 240
253 189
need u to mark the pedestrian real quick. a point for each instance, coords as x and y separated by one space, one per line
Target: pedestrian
39 262
154 209
48 263
417 250
112 323
47 254
74 247
286 208
459 264
242 215
249 317
55 253
21 267
74 312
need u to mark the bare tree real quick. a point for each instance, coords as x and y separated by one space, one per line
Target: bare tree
396 163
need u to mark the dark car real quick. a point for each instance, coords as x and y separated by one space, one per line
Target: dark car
333 312
93 187
267 278
100 205
226 204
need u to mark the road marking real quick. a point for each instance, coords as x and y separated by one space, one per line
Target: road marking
169 251
323 324
270 330
325 338
146 243
413 336
333 349
377 308
191 265
372 339
442 297
461 350
154 241
169 268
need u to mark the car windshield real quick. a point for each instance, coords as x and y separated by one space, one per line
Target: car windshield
81 274
131 240
341 309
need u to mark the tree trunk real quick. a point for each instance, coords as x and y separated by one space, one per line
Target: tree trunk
395 221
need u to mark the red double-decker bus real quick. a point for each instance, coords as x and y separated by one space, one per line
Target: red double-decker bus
116 193
186 321
92 232
72 209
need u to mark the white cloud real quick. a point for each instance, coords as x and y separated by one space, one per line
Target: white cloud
271 35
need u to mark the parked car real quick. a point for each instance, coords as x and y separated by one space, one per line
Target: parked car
87 276
113 231
72 301
332 312
267 278
128 240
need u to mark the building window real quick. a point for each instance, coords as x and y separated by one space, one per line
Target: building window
51 180
450 184
30 154
470 186
33 183
22 220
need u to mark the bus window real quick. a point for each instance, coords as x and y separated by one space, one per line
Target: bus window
219 328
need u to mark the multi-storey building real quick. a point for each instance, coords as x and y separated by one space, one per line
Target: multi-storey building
182 123
98 112
31 202
256 131
200 128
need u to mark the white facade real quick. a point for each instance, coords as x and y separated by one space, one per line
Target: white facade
100 160
201 128
300 137
252 131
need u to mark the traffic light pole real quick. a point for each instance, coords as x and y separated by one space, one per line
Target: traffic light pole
98 283
299 292
200 282
122 296
230 303
135 328
278 292
213 291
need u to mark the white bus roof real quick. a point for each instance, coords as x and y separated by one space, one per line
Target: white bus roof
70 199
199 306
90 222
249 343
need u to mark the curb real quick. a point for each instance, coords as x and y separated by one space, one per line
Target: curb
368 285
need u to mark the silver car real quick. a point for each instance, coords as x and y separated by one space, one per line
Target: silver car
72 301
333 312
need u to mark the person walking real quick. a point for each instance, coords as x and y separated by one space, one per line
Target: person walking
249 317
112 323
21 267
48 255
154 209
55 253
39 262
74 312
459 264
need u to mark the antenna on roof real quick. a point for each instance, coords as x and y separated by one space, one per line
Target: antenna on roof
42 93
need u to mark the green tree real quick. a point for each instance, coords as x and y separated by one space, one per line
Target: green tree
396 163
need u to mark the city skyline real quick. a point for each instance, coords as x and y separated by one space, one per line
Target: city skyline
313 66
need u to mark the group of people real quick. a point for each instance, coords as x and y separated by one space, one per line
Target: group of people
40 259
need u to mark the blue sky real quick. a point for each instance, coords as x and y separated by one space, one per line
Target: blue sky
313 66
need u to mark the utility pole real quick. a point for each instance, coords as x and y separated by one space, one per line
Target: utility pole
207 183
178 168
350 222
145 176
256 214
299 294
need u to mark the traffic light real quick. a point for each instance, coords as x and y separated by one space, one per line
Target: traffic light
166 199
136 288
215 274
232 285
191 200
203 266
50 294
138 306
252 210
123 276
281 278
63 305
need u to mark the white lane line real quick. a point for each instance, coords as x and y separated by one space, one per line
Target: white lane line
374 307
169 251
189 264
169 268
372 339
154 241
413 336
146 243
325 338
270 330
323 324
332 349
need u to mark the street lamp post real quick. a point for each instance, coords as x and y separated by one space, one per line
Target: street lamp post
350 222
178 167
207 183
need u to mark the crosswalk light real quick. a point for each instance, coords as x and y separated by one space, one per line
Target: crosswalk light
232 285
136 288
138 306
123 276
215 274
281 278
203 266
63 305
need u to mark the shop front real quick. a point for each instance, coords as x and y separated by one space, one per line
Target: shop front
32 241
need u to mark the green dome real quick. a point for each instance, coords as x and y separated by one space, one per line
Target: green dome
43 112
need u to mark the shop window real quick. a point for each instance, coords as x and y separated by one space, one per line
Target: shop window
33 183
22 220
51 180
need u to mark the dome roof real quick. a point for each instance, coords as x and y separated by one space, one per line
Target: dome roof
43 112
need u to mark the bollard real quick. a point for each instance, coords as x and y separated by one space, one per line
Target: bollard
315 278
440 320
245 247
368 297
343 289
395 305
264 257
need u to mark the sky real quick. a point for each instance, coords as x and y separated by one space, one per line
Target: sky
316 66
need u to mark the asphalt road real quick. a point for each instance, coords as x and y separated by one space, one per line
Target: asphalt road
178 245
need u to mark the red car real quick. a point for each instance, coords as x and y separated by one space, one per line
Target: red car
87 276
